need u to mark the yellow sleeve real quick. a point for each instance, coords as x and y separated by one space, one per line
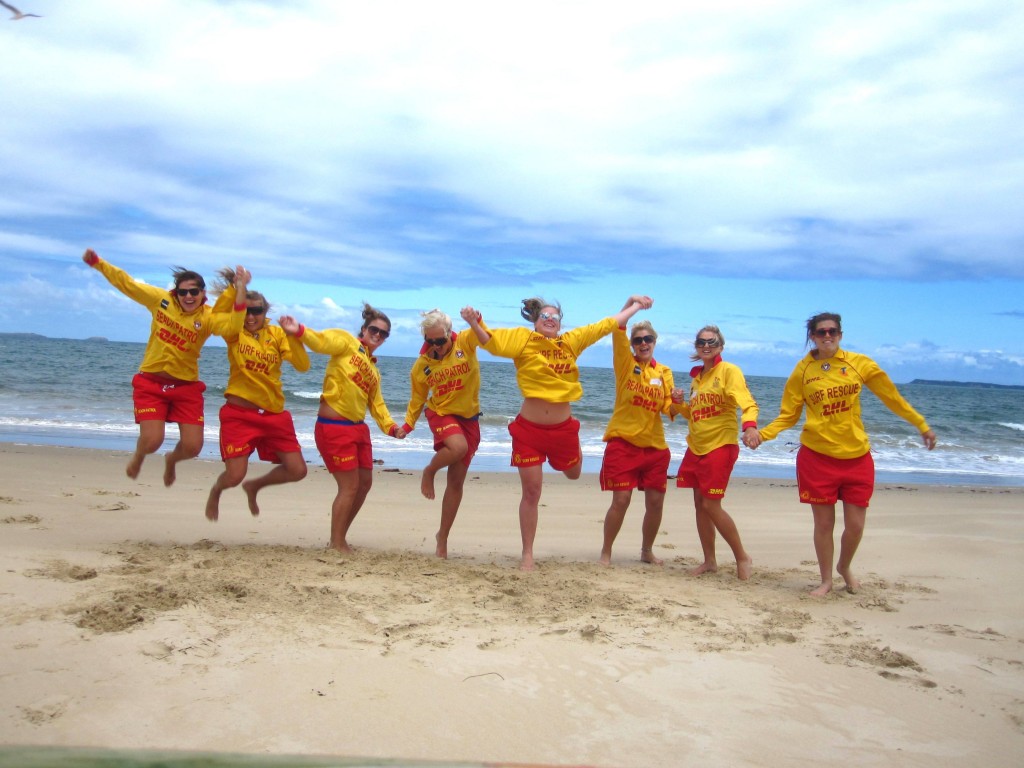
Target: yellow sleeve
792 405
878 381
292 351
333 341
380 413
418 392
507 342
580 338
148 296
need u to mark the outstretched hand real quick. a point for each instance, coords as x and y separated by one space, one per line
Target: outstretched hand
929 439
470 315
289 324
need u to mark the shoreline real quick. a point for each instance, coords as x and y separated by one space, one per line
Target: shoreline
414 461
130 622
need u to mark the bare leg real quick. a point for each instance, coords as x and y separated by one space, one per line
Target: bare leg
706 534
151 437
450 505
190 443
234 472
853 531
654 501
291 469
341 508
824 546
452 450
532 481
613 522
724 524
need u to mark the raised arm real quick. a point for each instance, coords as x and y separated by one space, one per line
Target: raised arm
633 305
473 317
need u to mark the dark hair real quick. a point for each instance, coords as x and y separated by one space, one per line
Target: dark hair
812 322
532 307
370 314
180 275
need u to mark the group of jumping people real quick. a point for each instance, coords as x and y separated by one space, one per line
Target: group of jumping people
833 463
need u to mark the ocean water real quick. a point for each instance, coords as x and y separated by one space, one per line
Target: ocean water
78 393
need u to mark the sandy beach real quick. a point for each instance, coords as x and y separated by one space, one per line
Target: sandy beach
131 622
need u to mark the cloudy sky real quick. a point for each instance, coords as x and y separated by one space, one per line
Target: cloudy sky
745 163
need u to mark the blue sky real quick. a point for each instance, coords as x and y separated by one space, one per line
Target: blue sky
744 163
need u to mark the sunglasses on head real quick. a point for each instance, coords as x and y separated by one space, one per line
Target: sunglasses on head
436 342
255 310
549 316
642 340
821 333
706 343
373 329
188 291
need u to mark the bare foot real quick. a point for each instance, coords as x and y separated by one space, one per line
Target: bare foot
744 568
606 559
169 476
213 505
442 547
250 495
824 589
705 567
527 564
852 583
134 465
647 556
427 483
343 547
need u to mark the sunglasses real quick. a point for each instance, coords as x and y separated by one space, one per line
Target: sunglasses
188 291
373 329
436 342
255 310
549 316
706 343
636 340
821 333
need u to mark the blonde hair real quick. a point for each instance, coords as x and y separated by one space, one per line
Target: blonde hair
436 317
643 325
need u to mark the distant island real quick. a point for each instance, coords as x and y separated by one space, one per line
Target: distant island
983 385
40 336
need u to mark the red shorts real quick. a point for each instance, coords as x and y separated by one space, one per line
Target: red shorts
558 444
344 445
823 479
710 472
160 399
627 466
243 430
443 426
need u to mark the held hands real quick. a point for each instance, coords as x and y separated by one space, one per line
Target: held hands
678 396
90 256
751 438
242 278
470 315
645 302
929 439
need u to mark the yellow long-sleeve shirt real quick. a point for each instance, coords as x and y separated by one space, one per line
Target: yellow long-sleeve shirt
449 386
830 389
715 396
255 360
351 381
643 392
546 368
176 337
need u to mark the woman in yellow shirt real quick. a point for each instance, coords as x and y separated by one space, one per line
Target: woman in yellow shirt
351 385
834 461
549 379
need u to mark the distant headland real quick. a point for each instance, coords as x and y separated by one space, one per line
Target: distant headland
982 384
